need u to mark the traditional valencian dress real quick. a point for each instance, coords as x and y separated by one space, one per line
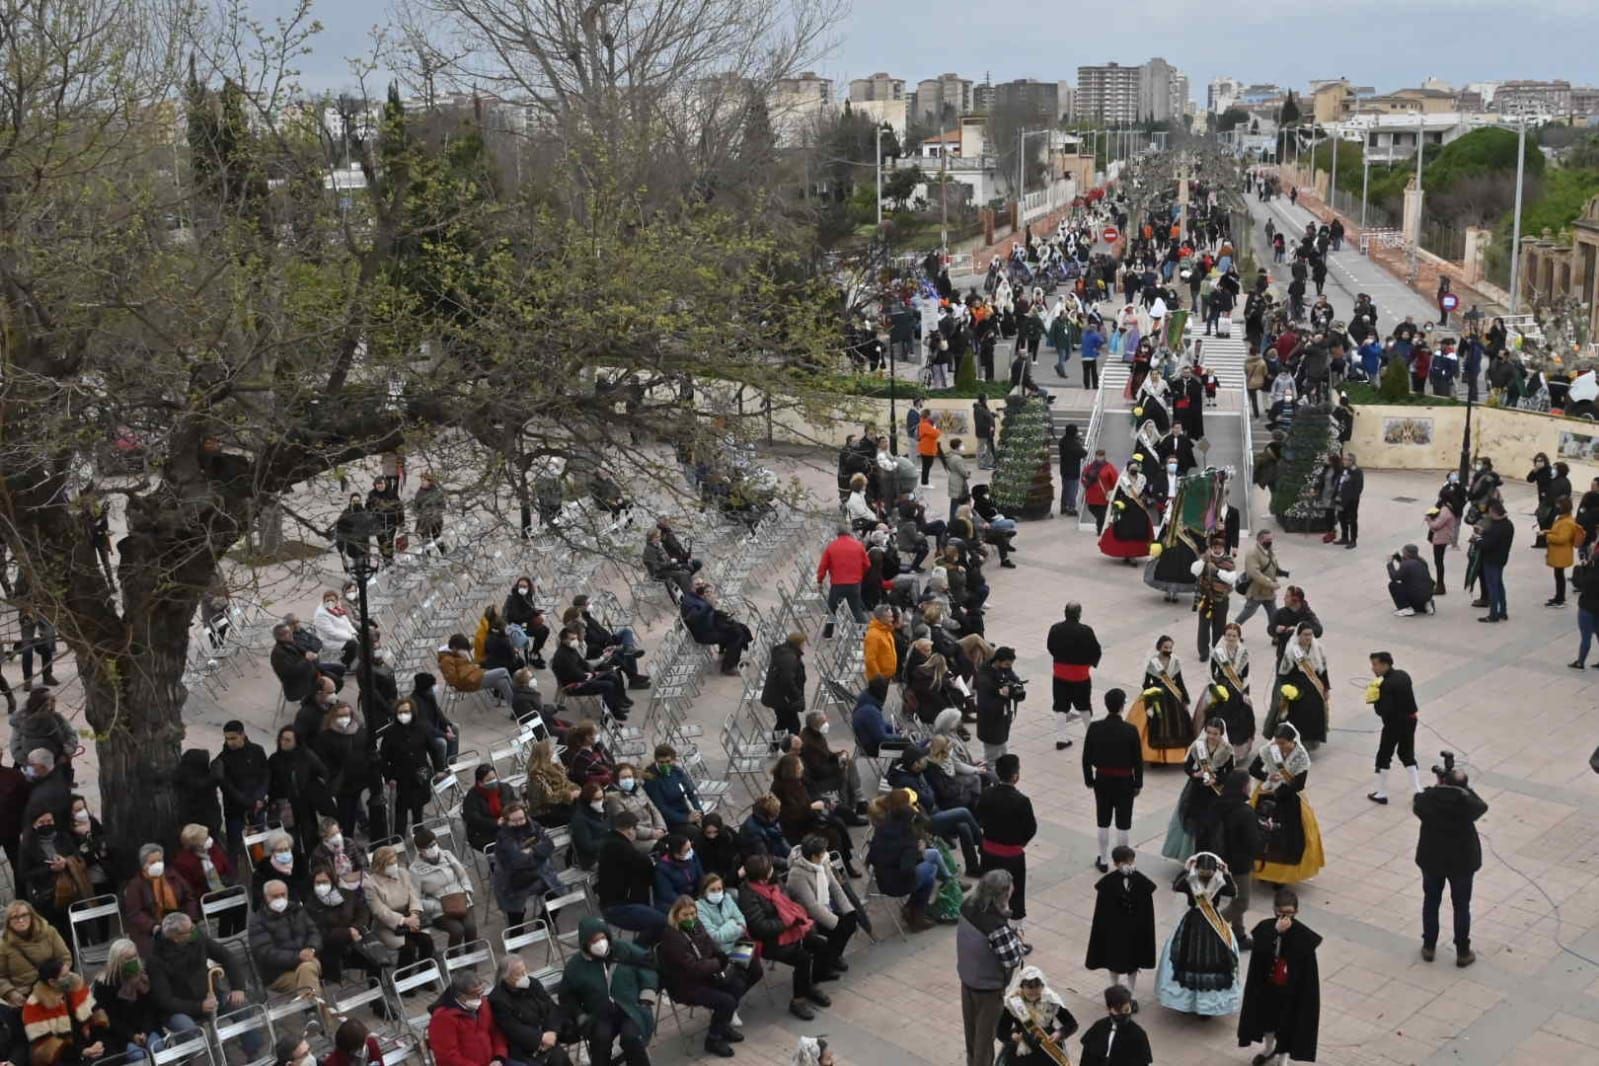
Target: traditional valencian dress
1293 851
1229 668
1199 966
1191 818
1306 670
1036 1022
1131 527
1160 713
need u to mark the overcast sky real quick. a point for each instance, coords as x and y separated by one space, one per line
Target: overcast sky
1388 44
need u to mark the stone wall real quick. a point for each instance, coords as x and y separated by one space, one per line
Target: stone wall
1390 437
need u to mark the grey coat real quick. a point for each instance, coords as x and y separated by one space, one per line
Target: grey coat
802 889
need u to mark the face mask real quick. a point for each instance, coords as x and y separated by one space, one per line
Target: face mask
283 859
688 856
1171 468
523 590
1125 867
309 1060
688 924
280 904
328 894
522 982
82 817
824 727
431 854
209 844
31 772
471 1004
600 948
715 896
131 968
490 782
597 805
518 826
336 842
571 643
627 784
405 719
342 724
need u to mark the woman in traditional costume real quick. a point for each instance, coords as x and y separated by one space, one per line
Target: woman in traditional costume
1304 666
1165 728
1293 850
1209 761
1035 1025
1228 696
1131 528
1199 967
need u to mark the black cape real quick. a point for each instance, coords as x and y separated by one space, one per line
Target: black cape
1293 1012
1122 938
1130 1048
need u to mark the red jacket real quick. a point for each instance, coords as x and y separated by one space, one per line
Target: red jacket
461 1039
186 865
845 559
1097 489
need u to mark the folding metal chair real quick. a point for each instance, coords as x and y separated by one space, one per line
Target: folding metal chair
231 901
191 1046
522 939
470 955
241 1028
578 897
84 913
419 975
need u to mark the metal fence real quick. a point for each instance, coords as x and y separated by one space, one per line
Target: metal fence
1348 205
1444 240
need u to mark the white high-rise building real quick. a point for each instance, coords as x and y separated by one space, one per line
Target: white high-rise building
1222 93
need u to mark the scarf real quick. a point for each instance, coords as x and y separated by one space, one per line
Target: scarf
492 796
1294 765
796 923
166 900
213 880
1042 1013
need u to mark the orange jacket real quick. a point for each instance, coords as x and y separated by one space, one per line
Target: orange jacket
882 658
927 436
460 672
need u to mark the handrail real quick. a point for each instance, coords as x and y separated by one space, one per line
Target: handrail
1247 517
1090 442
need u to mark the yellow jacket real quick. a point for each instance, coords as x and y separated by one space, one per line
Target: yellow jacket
882 658
1561 542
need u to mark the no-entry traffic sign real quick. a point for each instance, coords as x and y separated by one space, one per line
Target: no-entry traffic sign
1449 301
1110 235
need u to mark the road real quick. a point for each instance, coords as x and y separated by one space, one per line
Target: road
1348 272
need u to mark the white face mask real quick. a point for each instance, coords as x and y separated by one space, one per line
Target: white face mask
82 818
328 894
627 784
715 896
1125 867
404 719
824 727
156 869
283 859
336 842
522 982
523 590
209 844
279 904
431 854
597 805
471 1004
343 725
600 948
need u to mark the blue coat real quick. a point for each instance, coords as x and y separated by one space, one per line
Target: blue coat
673 879
673 794
870 725
894 855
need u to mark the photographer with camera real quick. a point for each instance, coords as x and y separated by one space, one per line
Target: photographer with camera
1410 583
1448 851
999 690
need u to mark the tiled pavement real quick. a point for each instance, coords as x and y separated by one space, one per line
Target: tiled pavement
1501 696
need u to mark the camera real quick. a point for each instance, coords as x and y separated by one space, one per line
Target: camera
1448 766
1018 689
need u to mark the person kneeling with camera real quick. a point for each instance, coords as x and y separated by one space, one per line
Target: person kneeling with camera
1448 851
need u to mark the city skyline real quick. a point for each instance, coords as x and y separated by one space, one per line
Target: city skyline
1256 48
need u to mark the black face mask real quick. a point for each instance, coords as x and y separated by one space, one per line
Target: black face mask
46 831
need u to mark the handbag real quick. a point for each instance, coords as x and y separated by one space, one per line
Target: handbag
456 905
374 954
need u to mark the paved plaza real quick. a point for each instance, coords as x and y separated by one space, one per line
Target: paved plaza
1500 696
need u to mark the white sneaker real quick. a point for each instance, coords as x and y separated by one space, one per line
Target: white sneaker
1432 607
737 1023
1405 612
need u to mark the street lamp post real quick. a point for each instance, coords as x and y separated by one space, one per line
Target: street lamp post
1365 174
880 176
363 571
1332 186
1421 145
1515 236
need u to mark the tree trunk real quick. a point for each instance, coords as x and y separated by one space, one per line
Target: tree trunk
138 724
268 528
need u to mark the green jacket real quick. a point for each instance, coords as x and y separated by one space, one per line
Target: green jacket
583 983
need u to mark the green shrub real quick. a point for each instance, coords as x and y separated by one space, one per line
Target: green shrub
1394 385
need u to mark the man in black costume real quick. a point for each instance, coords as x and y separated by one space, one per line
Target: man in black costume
1116 1040
1075 651
1006 818
1282 992
1113 766
1122 937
